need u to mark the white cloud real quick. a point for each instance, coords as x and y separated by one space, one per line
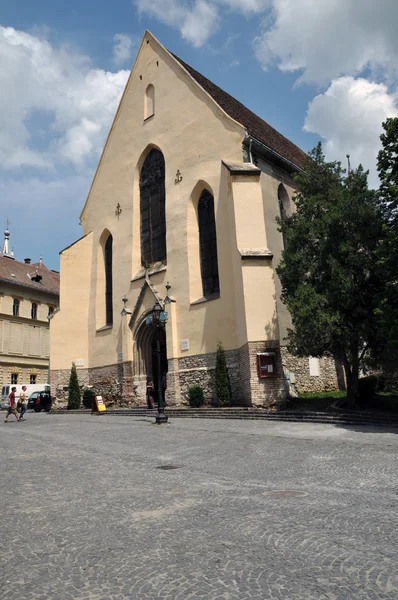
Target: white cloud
348 116
196 22
123 48
247 6
326 39
76 102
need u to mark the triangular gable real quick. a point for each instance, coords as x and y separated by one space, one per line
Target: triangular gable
162 50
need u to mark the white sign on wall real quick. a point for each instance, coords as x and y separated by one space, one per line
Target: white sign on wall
184 344
79 362
120 355
315 369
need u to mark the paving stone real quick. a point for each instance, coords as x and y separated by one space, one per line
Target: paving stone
87 514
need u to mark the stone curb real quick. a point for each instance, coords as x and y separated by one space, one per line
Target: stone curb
346 418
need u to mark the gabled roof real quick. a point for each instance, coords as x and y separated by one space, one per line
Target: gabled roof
20 273
254 125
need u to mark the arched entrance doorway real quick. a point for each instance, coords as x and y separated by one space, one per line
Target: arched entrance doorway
145 356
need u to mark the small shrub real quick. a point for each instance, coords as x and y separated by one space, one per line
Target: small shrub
367 388
88 397
74 397
195 396
223 384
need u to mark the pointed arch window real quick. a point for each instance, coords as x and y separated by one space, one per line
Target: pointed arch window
149 108
284 207
153 209
208 245
108 251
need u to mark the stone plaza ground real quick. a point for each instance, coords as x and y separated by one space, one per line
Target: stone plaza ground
255 510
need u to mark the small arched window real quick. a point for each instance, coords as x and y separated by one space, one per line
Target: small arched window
284 206
50 311
15 307
153 209
108 250
149 108
33 311
208 245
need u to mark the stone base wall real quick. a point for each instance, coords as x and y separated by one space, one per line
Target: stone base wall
268 392
120 386
200 369
247 388
59 381
114 382
331 374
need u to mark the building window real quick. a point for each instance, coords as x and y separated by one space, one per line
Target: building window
33 311
14 378
15 307
149 108
153 209
50 311
284 207
33 379
108 280
208 245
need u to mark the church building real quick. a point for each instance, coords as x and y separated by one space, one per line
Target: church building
182 211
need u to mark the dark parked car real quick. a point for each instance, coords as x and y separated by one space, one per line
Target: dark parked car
40 401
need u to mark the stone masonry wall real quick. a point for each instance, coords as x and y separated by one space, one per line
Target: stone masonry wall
331 376
247 388
200 370
59 381
114 382
268 392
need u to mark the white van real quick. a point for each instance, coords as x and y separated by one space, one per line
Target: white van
6 389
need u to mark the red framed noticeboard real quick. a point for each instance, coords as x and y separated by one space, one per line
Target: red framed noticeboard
266 364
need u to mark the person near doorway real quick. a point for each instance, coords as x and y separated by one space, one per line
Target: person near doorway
164 387
149 392
12 405
22 403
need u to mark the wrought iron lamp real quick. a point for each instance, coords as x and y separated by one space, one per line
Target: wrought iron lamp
158 320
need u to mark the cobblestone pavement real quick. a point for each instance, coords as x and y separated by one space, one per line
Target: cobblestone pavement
256 510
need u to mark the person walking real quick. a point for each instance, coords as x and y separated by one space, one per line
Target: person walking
12 408
149 393
22 403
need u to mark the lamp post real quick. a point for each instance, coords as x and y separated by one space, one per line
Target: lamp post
159 321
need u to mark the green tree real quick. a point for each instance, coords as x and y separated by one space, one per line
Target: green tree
329 272
74 396
387 165
223 384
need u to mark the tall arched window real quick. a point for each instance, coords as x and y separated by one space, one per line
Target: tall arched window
153 209
15 307
149 108
284 206
208 245
108 280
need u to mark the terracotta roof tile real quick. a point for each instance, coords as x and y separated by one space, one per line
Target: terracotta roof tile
17 273
255 126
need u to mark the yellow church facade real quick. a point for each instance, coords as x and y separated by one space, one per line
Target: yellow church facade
183 204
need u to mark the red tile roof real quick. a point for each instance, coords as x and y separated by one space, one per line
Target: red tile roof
254 125
19 273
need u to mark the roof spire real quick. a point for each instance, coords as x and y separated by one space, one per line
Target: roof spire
6 245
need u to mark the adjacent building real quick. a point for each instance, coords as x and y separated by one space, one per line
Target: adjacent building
184 202
29 296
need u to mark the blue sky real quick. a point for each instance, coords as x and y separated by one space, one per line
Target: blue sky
314 70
